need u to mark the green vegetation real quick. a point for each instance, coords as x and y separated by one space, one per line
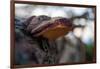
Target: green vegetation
89 53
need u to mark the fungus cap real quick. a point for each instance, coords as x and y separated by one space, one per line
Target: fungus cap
54 28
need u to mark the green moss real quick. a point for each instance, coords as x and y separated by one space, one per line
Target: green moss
89 53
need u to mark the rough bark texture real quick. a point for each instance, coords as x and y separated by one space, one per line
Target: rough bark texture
39 50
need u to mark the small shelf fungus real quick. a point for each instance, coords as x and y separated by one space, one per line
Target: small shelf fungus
50 28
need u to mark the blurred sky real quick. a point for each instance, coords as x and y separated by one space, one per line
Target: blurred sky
86 34
52 11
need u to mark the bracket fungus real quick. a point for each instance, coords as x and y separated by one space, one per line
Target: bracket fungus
50 28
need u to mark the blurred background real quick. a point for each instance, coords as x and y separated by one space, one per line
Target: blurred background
78 45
